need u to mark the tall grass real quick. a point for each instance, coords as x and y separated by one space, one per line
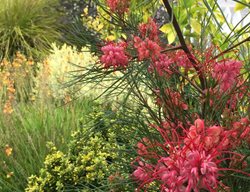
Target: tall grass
28 26
25 133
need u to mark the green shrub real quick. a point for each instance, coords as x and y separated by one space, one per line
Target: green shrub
25 133
95 160
28 26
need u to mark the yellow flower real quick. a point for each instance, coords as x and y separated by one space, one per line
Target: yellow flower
8 150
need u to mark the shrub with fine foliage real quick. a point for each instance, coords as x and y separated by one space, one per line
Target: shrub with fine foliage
28 26
93 162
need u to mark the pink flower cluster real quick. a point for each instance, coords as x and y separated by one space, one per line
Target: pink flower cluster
192 163
114 55
162 65
182 59
240 132
215 94
174 100
211 138
148 44
149 30
118 6
146 48
226 72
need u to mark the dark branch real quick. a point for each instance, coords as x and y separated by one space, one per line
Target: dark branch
230 48
178 31
183 43
171 49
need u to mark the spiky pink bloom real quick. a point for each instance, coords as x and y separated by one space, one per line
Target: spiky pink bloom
174 99
168 172
183 170
192 162
240 129
226 72
114 55
162 65
143 171
146 48
149 30
142 146
199 171
206 137
118 6
181 59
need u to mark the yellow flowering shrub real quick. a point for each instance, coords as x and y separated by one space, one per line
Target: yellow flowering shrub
100 24
93 160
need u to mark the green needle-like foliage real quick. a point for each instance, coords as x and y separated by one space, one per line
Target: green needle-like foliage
28 26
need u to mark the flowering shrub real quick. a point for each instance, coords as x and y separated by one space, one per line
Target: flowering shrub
16 80
193 162
93 160
193 99
226 73
118 6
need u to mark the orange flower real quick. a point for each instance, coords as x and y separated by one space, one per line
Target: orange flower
8 150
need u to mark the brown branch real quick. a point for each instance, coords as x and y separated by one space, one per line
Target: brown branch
171 49
164 51
178 30
230 48
183 44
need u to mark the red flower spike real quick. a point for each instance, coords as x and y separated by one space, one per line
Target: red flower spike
162 65
118 6
149 30
199 124
192 163
114 55
226 72
146 49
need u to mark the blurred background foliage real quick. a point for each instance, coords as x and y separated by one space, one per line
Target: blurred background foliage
47 45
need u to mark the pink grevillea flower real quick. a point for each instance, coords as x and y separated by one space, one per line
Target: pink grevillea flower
188 165
183 170
162 65
206 137
146 48
114 55
181 59
143 171
149 30
192 162
142 146
226 72
118 6
168 172
215 94
199 171
174 99
240 132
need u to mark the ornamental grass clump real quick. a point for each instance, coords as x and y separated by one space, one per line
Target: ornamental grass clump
28 26
192 94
